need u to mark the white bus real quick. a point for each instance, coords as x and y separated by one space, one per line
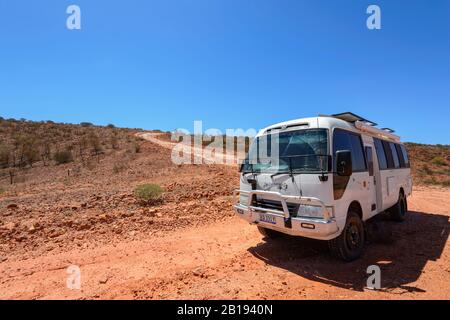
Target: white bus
322 178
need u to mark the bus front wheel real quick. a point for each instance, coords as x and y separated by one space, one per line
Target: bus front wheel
349 245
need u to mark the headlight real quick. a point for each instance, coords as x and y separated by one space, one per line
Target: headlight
243 199
310 211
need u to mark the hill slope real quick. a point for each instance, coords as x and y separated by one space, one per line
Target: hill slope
26 144
430 164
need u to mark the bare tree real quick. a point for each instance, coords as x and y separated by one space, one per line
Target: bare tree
94 142
5 156
45 151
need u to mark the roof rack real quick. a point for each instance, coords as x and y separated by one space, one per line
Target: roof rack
366 125
381 133
352 118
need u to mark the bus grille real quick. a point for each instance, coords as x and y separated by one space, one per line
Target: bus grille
276 205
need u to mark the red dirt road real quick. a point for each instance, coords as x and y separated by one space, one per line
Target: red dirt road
230 260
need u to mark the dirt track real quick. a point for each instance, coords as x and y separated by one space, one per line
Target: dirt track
193 151
230 260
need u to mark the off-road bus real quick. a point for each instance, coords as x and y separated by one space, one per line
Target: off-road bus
323 178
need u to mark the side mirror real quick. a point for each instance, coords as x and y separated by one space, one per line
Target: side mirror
344 163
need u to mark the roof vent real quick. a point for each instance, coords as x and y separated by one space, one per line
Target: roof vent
285 127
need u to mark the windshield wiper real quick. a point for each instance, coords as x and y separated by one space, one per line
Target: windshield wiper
278 173
290 169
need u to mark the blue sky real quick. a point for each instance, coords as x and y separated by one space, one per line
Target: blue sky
161 64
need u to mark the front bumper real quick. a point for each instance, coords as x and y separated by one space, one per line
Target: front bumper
322 229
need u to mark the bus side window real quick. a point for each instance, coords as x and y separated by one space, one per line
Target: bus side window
369 157
388 152
345 140
400 156
394 155
382 161
405 156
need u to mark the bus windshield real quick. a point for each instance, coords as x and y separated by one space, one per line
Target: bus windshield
297 152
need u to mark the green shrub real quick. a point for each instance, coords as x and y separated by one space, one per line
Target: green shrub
431 181
439 161
94 142
114 141
62 157
445 183
28 148
4 156
426 169
148 193
119 167
137 147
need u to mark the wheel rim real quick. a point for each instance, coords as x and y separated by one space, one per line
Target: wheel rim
353 236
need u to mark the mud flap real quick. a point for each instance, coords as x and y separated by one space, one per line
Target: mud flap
288 223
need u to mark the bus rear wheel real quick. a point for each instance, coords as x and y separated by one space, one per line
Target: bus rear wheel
269 233
398 212
349 245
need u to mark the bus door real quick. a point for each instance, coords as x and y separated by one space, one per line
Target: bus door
374 181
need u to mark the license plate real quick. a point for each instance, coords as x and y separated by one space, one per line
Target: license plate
267 218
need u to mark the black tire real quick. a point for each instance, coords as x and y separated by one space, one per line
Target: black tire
349 245
269 233
398 212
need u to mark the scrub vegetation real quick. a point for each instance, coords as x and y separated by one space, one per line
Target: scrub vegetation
148 193
430 164
26 144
